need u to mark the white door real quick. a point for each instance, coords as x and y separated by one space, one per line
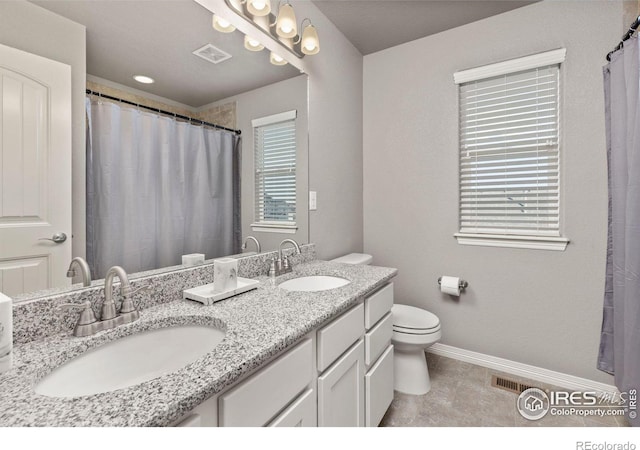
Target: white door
341 391
35 172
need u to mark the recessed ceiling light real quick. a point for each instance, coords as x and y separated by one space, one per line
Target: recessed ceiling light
277 60
252 44
143 79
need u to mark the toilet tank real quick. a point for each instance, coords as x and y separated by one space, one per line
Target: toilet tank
355 258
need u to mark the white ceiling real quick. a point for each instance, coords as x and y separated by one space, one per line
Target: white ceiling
156 38
374 25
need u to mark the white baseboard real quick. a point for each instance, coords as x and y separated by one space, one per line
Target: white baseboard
523 370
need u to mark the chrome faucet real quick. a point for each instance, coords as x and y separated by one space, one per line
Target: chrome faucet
128 311
84 270
251 238
88 324
282 264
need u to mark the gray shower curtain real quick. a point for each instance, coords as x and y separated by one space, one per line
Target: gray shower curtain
620 339
158 188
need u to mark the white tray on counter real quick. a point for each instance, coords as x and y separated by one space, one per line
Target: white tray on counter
205 294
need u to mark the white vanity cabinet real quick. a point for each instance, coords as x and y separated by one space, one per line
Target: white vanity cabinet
301 413
341 391
338 375
378 380
255 401
341 367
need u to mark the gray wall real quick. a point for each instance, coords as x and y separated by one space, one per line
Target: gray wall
273 99
335 138
35 30
532 306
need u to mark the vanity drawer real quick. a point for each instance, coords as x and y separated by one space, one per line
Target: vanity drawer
378 339
377 305
257 400
378 386
335 338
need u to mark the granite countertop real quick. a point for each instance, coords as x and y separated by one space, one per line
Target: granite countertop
259 325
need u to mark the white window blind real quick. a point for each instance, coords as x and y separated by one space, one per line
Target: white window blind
509 153
275 169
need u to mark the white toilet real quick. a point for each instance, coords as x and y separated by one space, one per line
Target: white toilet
414 329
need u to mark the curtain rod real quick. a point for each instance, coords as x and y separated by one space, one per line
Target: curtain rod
627 35
160 111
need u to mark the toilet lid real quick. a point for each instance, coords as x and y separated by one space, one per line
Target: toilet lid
409 317
354 258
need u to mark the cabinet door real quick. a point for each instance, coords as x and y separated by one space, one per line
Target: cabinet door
379 388
341 391
254 402
301 413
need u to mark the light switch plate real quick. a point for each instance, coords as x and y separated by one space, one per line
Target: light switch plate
313 201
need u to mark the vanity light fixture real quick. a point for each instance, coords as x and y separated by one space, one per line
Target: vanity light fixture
286 22
143 79
252 44
259 7
277 60
222 25
310 44
281 26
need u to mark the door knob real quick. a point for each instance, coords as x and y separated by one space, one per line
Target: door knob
58 238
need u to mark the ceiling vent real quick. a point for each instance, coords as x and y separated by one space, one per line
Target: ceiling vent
212 54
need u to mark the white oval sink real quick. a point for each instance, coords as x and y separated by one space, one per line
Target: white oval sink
130 360
314 283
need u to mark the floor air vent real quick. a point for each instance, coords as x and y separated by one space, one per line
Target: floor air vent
509 385
212 54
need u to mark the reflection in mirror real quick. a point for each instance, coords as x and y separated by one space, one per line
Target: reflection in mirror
160 183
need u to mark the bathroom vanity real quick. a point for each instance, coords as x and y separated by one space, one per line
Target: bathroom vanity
288 358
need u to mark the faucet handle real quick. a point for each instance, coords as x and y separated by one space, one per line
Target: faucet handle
286 265
87 316
87 323
274 267
127 303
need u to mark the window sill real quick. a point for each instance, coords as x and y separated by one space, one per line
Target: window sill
269 227
530 242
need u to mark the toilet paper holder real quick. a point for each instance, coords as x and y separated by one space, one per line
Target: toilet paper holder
462 284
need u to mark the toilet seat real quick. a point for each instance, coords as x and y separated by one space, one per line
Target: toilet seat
411 320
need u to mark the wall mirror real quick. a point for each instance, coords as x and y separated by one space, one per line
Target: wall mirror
154 188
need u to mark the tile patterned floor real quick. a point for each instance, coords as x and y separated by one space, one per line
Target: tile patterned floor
462 396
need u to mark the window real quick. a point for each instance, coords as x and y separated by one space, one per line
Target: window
510 153
275 173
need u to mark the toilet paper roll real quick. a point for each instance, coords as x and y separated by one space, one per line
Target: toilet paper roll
450 285
6 332
225 274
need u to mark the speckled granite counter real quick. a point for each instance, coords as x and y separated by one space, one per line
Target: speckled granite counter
259 325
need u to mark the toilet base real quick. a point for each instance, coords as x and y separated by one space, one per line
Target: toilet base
410 371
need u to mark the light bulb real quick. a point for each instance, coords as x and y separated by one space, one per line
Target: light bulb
222 25
252 44
277 60
286 23
310 42
143 79
259 7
